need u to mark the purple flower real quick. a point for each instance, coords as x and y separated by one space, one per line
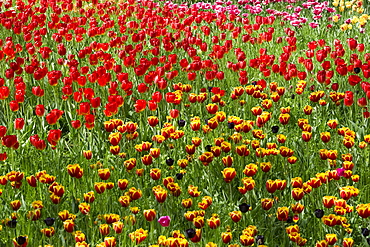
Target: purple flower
164 221
340 172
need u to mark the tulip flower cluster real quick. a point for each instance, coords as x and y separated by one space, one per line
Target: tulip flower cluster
150 123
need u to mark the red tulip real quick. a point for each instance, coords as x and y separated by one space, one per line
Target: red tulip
360 47
4 92
18 123
38 91
362 102
3 156
40 110
142 88
37 142
353 80
54 136
321 76
3 130
152 105
140 105
13 105
352 43
342 70
348 99
76 124
10 141
174 113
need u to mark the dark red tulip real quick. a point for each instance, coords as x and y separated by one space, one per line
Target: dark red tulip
321 76
10 141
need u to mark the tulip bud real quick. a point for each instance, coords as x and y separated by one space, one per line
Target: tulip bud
68 225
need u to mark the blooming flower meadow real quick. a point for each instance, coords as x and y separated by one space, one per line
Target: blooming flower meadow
141 123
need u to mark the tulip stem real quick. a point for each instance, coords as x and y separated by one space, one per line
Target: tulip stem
151 229
231 192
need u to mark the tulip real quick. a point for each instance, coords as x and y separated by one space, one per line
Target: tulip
235 216
89 197
267 203
104 229
21 241
306 136
76 124
48 232
115 150
84 208
10 141
282 213
100 187
250 170
68 225
297 194
226 237
118 226
87 154
153 121
228 174
297 208
75 170
284 119
164 221
37 205
321 243
160 194
348 242
155 173
147 160
271 186
242 150
149 214
197 237
13 105
104 174
198 221
31 180
111 218
331 239
325 136
246 240
110 242
15 205
292 160
214 222
187 203
265 166
134 193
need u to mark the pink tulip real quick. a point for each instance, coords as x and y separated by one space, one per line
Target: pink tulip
314 25
164 221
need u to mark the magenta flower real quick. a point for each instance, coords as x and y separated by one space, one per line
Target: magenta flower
313 25
164 221
340 172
